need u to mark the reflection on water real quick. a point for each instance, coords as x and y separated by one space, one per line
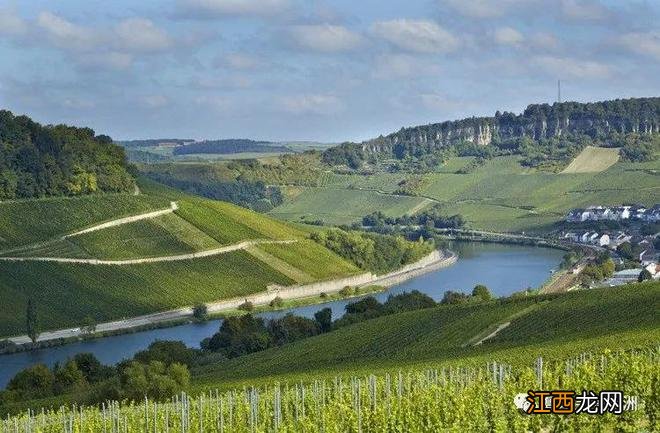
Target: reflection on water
503 268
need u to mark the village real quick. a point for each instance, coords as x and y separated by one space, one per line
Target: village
633 241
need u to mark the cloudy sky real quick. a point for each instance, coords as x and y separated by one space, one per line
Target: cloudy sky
314 69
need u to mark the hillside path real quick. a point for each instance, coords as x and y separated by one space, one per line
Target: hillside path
125 220
213 252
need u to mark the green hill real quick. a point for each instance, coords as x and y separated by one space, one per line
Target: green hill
67 292
553 326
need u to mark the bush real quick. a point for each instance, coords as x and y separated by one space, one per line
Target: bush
277 302
323 318
291 328
481 292
167 352
246 306
346 292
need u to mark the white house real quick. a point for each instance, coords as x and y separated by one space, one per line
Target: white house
604 240
654 270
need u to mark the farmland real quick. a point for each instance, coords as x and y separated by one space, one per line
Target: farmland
343 206
554 326
28 221
593 159
417 401
67 293
498 195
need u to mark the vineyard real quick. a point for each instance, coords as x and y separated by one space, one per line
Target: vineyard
67 293
555 326
457 399
28 221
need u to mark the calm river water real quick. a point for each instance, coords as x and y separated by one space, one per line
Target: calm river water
503 268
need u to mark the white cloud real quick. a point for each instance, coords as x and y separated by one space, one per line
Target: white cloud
545 41
10 23
577 68
241 61
420 36
646 44
508 36
66 34
392 66
584 10
312 103
217 8
484 8
154 101
139 34
326 38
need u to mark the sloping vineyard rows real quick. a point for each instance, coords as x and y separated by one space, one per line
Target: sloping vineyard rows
454 399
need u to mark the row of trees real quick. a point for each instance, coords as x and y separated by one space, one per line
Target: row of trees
38 161
158 372
431 218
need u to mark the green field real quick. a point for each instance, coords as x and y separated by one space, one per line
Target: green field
343 206
312 258
593 160
500 195
24 222
66 293
609 318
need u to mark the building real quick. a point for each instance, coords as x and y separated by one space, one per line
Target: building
604 240
654 270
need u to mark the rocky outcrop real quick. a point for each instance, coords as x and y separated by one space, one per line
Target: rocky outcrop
640 115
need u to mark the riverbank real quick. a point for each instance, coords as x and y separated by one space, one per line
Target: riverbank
429 263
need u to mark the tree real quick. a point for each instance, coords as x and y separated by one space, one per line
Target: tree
414 300
480 291
68 377
200 312
291 328
451 297
167 352
91 367
644 275
33 382
32 324
239 336
324 319
88 325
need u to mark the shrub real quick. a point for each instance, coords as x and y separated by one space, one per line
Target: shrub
200 312
246 306
277 302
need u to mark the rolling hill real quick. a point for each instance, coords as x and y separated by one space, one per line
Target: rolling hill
189 253
551 326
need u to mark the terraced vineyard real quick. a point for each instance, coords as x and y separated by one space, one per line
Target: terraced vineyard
25 222
553 326
67 293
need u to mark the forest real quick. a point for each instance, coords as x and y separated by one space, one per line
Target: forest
229 146
56 160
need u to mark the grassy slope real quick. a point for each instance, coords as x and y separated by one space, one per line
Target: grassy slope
593 159
339 206
312 258
66 293
500 195
584 320
28 221
165 235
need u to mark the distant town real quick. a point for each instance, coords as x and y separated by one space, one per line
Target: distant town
629 232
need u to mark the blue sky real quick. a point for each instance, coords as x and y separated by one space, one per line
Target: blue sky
313 69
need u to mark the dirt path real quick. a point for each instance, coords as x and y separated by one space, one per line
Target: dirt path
213 252
492 334
125 220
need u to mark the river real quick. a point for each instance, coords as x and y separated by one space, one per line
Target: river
503 268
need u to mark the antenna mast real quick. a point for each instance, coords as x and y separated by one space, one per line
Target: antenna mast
559 91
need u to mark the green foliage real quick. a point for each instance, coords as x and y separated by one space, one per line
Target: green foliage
370 251
291 328
463 398
200 312
167 352
31 321
636 148
348 154
480 291
323 318
229 146
35 381
238 336
38 161
645 275
153 380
